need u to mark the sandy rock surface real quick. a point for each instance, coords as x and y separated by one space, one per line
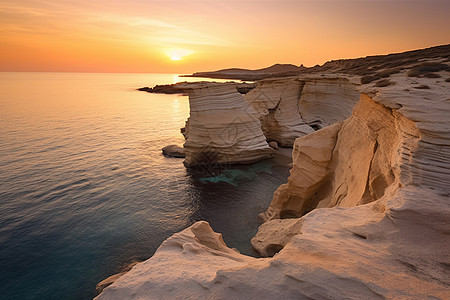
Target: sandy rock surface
222 127
364 215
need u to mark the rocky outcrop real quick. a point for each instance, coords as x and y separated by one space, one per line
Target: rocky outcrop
179 88
276 102
273 235
111 279
377 188
314 151
173 151
222 127
198 252
347 164
375 251
293 107
325 101
388 143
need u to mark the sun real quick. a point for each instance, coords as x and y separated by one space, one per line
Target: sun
178 54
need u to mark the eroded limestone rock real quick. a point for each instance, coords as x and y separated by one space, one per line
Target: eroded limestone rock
325 101
222 127
346 164
174 151
293 107
273 235
382 179
111 279
273 145
276 102
393 248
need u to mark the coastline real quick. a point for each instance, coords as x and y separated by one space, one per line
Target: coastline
357 219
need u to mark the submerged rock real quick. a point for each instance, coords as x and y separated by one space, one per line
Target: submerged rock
173 151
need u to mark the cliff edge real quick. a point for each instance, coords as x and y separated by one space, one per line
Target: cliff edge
364 215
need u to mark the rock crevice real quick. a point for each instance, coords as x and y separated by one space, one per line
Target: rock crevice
346 164
294 107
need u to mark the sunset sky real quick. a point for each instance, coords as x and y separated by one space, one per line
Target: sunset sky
188 36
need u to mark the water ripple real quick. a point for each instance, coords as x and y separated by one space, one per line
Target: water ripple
84 187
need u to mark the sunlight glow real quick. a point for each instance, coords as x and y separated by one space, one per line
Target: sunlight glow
152 36
178 54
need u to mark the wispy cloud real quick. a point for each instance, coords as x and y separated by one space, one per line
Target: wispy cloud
85 20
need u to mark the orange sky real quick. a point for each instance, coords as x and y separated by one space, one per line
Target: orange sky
144 35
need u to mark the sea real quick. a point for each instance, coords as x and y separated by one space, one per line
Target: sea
85 189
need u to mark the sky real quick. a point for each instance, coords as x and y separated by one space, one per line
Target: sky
148 36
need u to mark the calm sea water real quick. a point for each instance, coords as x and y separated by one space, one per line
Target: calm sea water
85 190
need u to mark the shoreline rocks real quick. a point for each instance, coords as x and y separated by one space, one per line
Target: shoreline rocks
111 279
222 127
163 89
325 175
381 237
364 214
174 151
179 88
293 107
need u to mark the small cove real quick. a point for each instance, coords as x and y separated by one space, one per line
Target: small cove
85 189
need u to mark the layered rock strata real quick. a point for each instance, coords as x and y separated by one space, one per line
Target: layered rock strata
348 163
394 140
222 127
293 107
375 251
325 101
276 102
378 187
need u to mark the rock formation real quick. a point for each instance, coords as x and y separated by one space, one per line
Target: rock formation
276 102
387 144
273 145
364 215
222 127
293 107
179 88
111 279
324 173
325 101
173 151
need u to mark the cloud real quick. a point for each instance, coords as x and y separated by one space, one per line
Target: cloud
87 20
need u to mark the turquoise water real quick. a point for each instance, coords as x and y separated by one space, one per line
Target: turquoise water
85 190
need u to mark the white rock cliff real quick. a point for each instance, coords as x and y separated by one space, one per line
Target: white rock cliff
365 214
292 107
222 127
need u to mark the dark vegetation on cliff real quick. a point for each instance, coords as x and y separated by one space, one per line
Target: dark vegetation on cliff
370 68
